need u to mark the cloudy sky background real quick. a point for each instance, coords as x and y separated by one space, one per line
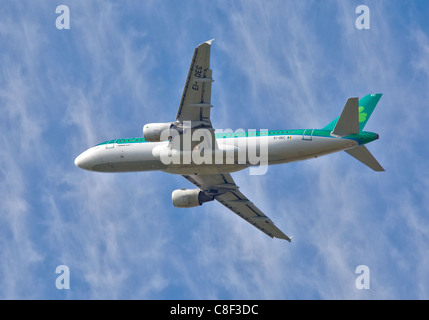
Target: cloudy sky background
276 65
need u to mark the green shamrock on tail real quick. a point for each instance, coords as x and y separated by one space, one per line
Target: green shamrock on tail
362 115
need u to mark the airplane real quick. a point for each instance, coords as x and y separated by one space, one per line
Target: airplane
190 146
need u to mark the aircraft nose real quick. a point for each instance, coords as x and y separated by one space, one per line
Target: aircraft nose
83 161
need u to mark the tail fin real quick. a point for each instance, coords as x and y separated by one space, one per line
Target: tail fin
366 106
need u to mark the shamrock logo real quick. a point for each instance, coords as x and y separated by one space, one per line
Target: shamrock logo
362 115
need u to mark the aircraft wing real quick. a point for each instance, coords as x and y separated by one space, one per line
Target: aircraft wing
195 104
223 188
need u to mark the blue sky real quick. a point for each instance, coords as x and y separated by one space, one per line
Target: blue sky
276 65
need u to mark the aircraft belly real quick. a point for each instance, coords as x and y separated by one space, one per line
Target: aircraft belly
129 166
204 169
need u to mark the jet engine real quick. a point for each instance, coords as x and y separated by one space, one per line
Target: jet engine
152 131
188 198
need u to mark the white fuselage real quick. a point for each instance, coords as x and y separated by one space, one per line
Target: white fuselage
129 155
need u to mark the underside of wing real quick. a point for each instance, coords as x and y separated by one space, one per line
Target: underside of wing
194 108
195 103
239 204
223 188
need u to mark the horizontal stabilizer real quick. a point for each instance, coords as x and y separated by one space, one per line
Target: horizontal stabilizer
348 122
363 155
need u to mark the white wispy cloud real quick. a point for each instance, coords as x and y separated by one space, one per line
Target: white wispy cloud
64 91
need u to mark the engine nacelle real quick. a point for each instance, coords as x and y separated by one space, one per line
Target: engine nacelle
188 198
152 131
